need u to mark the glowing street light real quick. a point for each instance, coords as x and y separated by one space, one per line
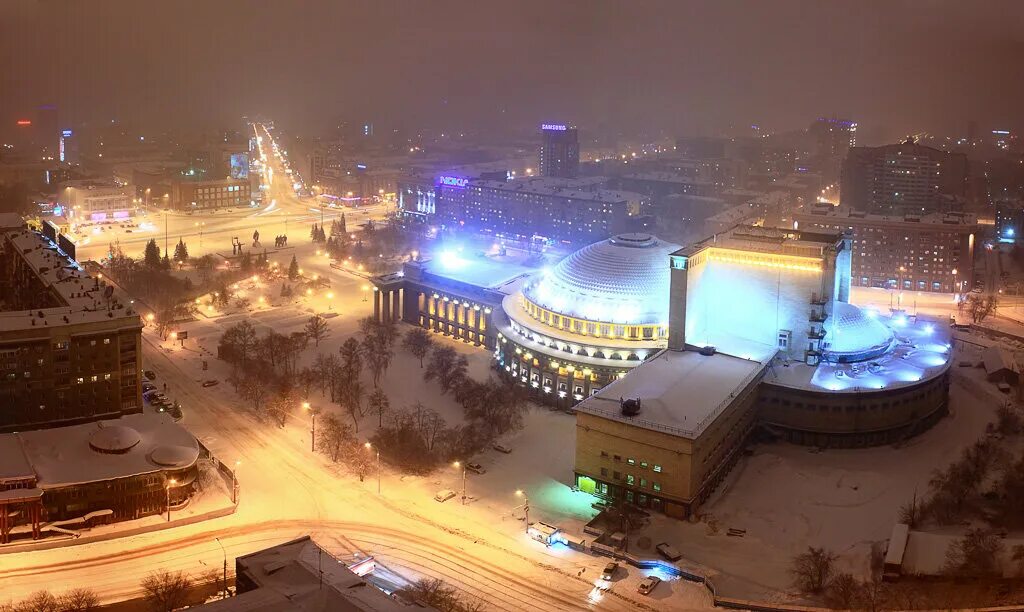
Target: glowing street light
170 483
526 507
312 415
370 447
458 465
366 290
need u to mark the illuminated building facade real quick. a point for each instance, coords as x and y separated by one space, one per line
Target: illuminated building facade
189 195
760 334
587 321
95 201
911 252
559 151
573 211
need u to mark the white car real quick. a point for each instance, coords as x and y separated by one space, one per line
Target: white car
444 495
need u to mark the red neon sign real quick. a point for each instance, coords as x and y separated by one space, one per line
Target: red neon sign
24 122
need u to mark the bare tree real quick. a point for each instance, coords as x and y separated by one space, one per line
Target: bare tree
333 436
166 591
351 358
435 593
418 342
975 555
254 388
282 406
378 404
317 329
352 394
238 343
378 354
40 601
79 600
813 569
447 366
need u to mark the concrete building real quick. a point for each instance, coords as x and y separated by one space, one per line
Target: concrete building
70 350
301 576
832 138
191 195
573 211
1009 219
96 200
760 334
59 480
912 252
901 178
559 151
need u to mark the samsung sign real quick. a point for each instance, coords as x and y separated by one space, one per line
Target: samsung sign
454 181
553 127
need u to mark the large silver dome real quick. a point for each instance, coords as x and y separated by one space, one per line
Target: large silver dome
622 280
853 334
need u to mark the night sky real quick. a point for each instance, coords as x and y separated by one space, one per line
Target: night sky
709 68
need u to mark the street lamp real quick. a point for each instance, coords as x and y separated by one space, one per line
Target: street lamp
458 465
526 507
371 447
366 289
168 488
312 437
224 550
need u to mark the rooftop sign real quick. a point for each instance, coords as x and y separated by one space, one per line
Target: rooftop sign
453 181
553 127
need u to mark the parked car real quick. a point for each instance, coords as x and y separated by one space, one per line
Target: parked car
647 585
444 495
211 383
150 374
476 468
501 448
148 386
175 412
609 570
668 551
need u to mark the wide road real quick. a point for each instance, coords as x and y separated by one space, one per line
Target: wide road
282 213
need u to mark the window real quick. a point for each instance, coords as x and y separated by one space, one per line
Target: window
657 468
604 472
604 454
617 457
643 482
106 341
643 464
657 486
631 461
616 476
629 479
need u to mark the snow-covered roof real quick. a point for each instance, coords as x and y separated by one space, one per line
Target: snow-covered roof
81 297
622 280
680 392
13 463
69 455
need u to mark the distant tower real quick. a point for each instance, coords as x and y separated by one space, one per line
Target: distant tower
560 151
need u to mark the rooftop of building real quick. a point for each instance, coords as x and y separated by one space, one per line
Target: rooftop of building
841 213
921 349
300 575
771 240
668 177
577 189
84 299
132 445
680 392
622 280
479 270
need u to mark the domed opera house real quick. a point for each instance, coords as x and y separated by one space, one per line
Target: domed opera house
589 320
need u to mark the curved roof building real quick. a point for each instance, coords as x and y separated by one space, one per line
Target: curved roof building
591 318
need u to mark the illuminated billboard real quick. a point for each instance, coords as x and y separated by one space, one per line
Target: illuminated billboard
553 127
453 181
239 165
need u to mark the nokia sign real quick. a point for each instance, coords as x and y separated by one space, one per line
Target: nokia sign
553 127
453 181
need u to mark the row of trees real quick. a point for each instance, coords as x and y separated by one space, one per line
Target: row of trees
985 483
75 600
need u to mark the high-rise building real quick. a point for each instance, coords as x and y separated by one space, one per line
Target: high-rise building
905 178
913 253
833 138
560 151
70 348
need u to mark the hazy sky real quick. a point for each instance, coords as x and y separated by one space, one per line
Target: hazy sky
682 67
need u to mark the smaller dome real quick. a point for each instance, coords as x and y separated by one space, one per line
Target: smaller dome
172 455
853 334
114 439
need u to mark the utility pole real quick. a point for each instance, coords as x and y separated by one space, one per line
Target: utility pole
225 566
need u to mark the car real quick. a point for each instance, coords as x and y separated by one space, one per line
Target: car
609 570
476 468
128 231
211 383
147 386
668 551
175 412
501 448
444 495
150 374
647 585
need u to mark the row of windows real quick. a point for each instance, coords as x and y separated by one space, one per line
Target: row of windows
631 480
632 461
